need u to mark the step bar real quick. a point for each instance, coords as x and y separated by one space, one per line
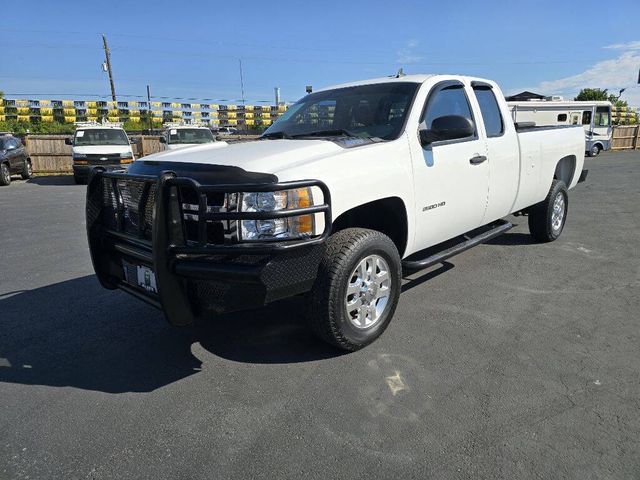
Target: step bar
495 229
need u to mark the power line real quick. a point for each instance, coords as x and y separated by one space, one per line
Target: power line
154 97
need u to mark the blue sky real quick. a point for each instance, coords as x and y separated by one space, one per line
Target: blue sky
191 49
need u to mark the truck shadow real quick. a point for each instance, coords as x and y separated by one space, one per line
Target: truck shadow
513 238
53 180
77 334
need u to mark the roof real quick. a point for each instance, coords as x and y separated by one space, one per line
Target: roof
522 96
418 78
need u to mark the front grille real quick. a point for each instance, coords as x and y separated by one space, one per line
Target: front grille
216 232
99 158
123 211
129 217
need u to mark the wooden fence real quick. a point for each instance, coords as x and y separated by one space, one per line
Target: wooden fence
625 137
49 154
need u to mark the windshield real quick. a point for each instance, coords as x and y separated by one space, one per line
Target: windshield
189 135
603 117
101 136
366 111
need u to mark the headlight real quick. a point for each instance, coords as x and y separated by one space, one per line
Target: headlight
126 155
278 228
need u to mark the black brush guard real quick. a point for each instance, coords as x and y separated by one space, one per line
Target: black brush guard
194 277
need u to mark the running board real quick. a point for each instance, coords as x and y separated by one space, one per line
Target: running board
440 257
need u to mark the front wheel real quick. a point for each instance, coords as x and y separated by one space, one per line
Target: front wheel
5 175
27 170
357 289
547 218
595 151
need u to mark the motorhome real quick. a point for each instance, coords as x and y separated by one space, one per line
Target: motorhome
594 116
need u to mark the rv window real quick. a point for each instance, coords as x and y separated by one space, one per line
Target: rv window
562 117
586 117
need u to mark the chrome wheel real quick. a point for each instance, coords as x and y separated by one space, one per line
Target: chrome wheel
368 291
595 150
557 215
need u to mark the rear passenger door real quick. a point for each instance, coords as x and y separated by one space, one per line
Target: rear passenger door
503 151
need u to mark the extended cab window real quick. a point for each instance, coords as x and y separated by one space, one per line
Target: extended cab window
490 111
449 100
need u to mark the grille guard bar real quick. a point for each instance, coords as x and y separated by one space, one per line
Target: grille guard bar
166 228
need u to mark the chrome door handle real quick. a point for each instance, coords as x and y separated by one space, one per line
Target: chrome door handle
477 160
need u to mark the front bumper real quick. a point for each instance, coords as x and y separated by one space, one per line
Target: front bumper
195 277
84 171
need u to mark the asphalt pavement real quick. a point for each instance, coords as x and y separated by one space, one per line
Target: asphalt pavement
511 360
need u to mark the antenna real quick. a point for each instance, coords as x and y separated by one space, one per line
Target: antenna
400 73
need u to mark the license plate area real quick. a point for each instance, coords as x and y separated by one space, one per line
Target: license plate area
140 276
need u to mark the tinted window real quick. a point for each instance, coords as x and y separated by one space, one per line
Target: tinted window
366 111
586 117
490 111
562 117
449 100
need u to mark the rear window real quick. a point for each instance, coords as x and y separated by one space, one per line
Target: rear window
490 111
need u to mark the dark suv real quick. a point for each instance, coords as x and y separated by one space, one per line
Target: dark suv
13 159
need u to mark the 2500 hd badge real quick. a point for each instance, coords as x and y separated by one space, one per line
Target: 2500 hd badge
207 229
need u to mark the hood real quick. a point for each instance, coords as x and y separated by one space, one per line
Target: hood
255 156
176 146
101 149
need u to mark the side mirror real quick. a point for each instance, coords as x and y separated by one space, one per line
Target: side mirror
448 127
162 140
68 141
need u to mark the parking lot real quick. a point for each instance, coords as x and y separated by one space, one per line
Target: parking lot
512 360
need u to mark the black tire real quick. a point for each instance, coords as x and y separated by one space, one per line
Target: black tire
595 151
27 170
328 317
5 175
79 180
543 225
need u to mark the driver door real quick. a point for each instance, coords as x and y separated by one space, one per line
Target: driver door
451 177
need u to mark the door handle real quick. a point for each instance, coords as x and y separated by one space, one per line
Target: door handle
477 160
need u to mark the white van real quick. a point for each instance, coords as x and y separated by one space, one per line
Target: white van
99 146
182 136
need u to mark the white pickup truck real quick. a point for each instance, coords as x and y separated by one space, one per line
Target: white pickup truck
351 185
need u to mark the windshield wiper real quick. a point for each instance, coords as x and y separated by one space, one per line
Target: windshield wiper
334 132
277 135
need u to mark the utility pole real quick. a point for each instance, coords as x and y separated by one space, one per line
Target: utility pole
107 55
241 80
149 111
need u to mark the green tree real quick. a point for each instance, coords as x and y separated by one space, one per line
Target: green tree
592 94
598 94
